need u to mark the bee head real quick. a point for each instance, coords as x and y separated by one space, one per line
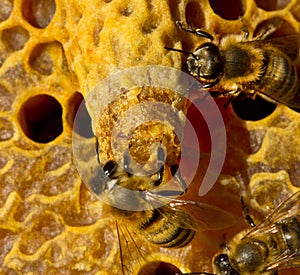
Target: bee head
222 265
206 63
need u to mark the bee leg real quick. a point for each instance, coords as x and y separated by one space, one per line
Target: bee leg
175 171
244 28
126 161
97 149
160 166
247 216
195 31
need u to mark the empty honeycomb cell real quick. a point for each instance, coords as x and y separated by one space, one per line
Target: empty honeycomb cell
77 112
253 109
43 177
39 13
41 59
15 38
230 9
6 99
6 129
159 268
6 7
194 15
270 5
45 57
40 118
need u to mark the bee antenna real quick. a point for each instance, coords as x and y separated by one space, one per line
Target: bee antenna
195 31
178 50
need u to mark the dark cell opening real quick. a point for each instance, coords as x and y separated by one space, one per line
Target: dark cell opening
78 116
15 38
229 9
39 13
270 5
159 268
6 7
253 109
40 118
194 15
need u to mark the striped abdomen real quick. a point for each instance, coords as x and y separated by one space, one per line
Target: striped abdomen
167 227
278 79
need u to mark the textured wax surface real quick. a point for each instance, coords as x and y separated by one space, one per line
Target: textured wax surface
51 54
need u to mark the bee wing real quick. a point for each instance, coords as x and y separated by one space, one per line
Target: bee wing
284 261
287 209
205 216
134 251
289 44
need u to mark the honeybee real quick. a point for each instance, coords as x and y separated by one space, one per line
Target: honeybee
272 245
236 68
156 215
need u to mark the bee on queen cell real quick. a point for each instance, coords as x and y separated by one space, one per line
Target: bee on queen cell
170 223
270 246
235 68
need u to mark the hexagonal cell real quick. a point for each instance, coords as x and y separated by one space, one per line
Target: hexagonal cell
230 9
39 13
280 26
6 129
78 116
46 56
40 118
270 5
15 38
6 99
194 15
6 7
41 60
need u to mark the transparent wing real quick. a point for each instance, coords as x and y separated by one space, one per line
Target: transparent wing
288 44
204 216
287 209
134 252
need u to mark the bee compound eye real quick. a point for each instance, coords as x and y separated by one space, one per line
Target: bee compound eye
110 168
223 266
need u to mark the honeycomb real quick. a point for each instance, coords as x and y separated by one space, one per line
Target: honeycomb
52 53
